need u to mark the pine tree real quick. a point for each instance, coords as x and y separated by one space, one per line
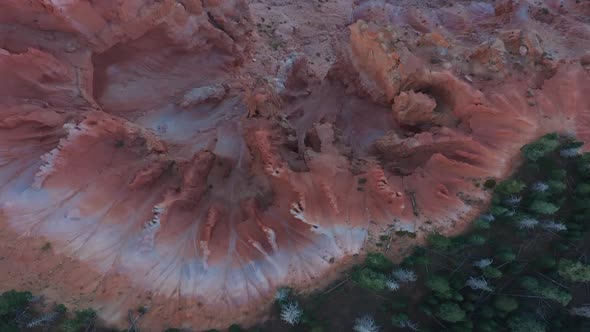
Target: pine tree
450 312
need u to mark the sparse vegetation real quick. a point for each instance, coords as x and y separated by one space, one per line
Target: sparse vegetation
83 320
21 311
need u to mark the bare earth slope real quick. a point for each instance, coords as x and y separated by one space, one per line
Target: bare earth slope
192 156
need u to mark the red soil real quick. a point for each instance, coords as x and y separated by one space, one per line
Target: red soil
192 156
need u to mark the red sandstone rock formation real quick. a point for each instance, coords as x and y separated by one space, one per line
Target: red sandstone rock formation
178 159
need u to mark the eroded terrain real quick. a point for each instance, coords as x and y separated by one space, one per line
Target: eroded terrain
193 156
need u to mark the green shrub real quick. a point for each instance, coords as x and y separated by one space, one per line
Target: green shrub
370 279
505 303
556 187
440 286
546 290
545 262
557 175
498 210
489 184
468 306
378 262
542 207
583 165
481 224
571 143
574 271
426 309
525 323
411 235
81 321
439 241
417 258
536 150
236 328
583 189
477 240
510 187
492 272
487 311
486 326
450 312
399 320
505 255
13 301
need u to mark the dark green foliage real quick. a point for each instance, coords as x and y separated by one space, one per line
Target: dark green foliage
492 272
583 165
468 306
6 327
406 233
510 187
583 189
481 224
505 303
571 143
543 207
177 330
487 311
525 323
378 262
399 319
61 309
236 328
489 184
498 210
477 240
505 255
12 302
81 321
536 150
401 302
459 242
284 299
419 258
574 271
369 279
557 176
426 309
450 312
545 262
546 290
486 326
439 241
440 286
556 187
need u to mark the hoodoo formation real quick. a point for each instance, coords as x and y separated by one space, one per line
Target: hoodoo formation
193 156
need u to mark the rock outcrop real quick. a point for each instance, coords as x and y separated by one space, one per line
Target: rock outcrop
178 155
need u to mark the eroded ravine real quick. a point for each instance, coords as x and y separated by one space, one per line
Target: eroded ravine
193 156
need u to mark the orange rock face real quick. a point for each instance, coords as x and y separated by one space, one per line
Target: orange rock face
194 156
